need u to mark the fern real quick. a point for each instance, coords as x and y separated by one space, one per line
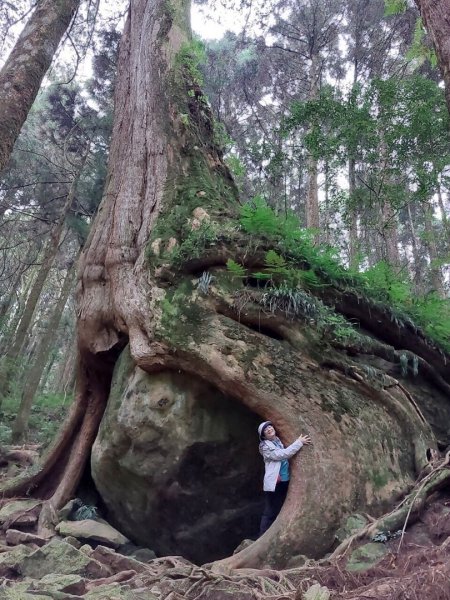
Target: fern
236 269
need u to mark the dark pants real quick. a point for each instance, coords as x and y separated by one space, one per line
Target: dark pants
274 502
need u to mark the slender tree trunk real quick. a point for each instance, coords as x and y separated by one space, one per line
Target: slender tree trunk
436 18
20 424
23 72
33 298
312 194
353 217
66 374
443 212
390 234
435 273
417 259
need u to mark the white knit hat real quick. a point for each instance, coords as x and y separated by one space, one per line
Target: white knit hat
261 428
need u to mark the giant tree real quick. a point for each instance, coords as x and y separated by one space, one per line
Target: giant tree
164 324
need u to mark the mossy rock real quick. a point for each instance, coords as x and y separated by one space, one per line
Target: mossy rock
16 506
352 524
366 556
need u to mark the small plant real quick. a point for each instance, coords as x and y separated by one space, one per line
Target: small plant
204 282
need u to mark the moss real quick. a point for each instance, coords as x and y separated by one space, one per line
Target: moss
380 478
338 406
182 318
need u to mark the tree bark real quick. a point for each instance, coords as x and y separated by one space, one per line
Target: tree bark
24 70
436 18
20 424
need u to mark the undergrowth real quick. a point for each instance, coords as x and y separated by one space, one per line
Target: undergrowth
47 414
296 261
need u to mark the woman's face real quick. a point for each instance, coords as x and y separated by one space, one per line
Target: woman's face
269 433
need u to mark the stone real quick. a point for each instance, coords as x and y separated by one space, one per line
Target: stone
174 462
11 562
317 592
16 506
73 542
144 555
69 508
59 557
117 562
116 591
352 524
94 531
14 537
366 556
69 583
86 549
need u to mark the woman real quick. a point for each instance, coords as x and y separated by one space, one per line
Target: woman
276 476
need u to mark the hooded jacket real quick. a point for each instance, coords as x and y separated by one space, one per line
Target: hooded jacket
273 455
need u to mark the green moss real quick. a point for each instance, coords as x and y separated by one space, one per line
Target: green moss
380 478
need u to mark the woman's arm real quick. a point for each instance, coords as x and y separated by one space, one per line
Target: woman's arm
280 453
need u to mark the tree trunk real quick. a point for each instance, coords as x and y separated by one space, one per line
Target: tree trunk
436 18
353 217
51 251
24 70
168 188
64 381
312 194
435 273
417 259
33 378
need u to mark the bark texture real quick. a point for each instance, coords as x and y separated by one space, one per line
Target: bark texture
436 18
23 72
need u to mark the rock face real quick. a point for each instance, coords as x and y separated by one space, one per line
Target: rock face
177 465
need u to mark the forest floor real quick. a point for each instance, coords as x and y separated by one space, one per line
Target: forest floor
412 566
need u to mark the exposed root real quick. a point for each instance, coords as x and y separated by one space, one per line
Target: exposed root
405 512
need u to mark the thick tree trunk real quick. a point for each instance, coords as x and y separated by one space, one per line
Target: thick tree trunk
20 424
23 72
436 18
169 213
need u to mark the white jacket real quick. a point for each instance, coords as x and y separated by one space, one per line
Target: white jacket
273 455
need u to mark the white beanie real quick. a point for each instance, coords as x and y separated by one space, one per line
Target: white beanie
261 428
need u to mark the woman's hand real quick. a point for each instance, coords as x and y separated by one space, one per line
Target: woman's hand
305 440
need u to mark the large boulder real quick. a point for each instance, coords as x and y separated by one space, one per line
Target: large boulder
177 465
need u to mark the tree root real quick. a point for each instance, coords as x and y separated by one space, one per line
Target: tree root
406 512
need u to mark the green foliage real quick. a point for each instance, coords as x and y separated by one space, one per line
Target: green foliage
236 269
194 244
295 262
394 7
419 50
47 414
189 58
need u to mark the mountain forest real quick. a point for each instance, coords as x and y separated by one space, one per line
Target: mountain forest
215 218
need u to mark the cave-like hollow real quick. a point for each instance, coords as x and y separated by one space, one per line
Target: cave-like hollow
177 465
